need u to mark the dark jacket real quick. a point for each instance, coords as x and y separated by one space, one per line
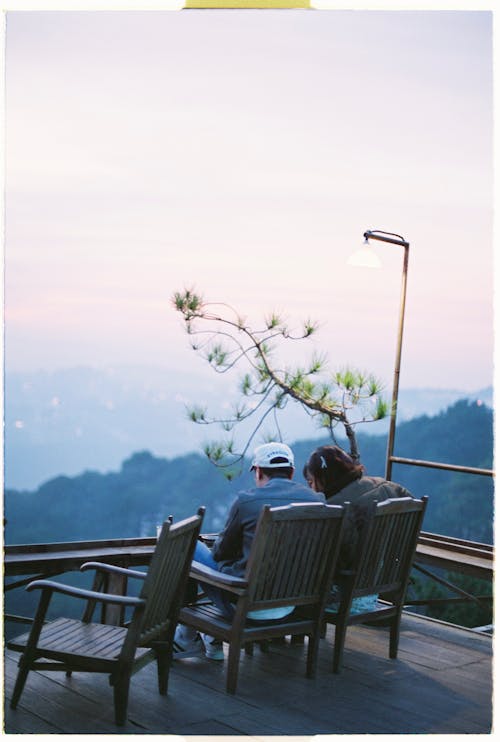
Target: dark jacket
232 546
361 493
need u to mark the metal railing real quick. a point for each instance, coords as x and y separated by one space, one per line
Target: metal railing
455 555
442 552
445 467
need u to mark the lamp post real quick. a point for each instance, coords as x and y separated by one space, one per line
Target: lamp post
365 256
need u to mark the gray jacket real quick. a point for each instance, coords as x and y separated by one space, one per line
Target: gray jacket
361 493
232 547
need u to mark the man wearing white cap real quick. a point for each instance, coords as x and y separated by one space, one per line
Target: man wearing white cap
273 465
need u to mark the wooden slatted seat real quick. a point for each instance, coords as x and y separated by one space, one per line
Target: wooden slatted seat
291 563
90 641
70 645
382 568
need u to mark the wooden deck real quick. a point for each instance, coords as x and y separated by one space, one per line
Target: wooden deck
441 683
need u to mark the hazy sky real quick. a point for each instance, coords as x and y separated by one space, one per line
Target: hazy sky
245 153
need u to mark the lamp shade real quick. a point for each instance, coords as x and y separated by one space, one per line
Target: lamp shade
365 257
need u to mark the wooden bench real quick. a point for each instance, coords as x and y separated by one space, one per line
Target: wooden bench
68 645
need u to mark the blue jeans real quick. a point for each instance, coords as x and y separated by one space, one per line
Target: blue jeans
221 598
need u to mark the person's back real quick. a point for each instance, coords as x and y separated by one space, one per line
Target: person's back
333 472
232 547
361 493
273 465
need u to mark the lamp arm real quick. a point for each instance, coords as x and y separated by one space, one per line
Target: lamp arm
376 234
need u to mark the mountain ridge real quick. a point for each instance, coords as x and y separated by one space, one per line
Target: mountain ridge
71 420
147 488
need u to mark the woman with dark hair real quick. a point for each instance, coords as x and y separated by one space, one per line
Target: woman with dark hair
330 469
333 472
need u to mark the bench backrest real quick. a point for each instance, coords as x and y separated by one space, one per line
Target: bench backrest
388 546
293 555
166 580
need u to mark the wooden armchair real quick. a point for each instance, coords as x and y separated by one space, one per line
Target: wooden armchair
382 568
70 645
291 563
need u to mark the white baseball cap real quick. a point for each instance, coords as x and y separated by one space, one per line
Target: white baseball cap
272 456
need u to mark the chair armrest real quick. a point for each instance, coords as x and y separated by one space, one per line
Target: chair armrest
101 567
207 538
77 592
202 573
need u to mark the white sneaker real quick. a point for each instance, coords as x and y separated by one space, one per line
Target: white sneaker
185 647
213 648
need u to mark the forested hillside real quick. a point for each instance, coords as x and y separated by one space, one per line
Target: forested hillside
147 488
74 419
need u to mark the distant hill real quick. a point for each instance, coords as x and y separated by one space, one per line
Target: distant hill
73 420
147 489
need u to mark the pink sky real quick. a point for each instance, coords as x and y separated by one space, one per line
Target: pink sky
245 153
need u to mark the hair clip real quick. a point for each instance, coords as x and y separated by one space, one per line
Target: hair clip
323 463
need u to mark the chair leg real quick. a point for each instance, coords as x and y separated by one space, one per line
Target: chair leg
338 647
394 636
120 691
312 654
29 654
24 668
163 659
233 662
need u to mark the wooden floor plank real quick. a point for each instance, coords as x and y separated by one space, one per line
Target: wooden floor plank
48 700
440 683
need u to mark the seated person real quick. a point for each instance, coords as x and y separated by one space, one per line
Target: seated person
273 467
333 472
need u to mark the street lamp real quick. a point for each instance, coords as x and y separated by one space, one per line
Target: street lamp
367 258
